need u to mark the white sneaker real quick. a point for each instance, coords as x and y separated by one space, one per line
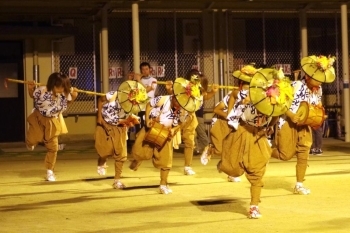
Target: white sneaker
254 212
188 171
50 176
301 190
269 141
102 170
165 189
205 157
118 185
30 148
233 179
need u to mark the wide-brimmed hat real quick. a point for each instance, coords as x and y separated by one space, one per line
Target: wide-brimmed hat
245 73
319 68
132 96
188 93
271 92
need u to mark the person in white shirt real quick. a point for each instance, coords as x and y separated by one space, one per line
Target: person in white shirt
150 83
218 132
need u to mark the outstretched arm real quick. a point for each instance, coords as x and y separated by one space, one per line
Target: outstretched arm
31 88
219 110
231 101
74 94
211 94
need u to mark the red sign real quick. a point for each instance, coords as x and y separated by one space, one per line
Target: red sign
73 72
119 72
160 71
153 71
112 73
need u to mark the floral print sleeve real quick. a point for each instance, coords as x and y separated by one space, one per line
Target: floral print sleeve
47 104
226 99
154 101
319 94
303 93
300 94
238 109
112 112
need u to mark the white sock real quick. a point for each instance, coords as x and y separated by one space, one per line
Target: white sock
252 206
300 184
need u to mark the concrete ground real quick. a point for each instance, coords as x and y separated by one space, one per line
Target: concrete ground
82 201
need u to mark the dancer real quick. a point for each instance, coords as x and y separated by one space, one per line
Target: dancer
293 138
246 149
219 130
188 133
163 114
111 131
44 122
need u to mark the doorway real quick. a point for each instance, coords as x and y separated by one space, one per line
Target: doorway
12 124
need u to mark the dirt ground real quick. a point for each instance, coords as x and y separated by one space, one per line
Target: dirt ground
82 201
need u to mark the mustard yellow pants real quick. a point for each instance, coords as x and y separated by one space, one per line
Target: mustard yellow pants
46 130
293 140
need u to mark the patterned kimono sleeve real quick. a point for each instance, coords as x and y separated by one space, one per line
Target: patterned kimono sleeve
226 99
176 119
319 95
37 93
154 101
299 93
238 109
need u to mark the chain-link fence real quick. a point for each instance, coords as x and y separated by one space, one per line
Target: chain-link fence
75 57
175 42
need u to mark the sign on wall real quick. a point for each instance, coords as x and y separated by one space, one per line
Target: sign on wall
285 67
112 73
153 71
157 71
73 72
160 71
115 72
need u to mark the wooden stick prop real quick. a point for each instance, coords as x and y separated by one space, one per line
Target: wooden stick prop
220 86
39 84
132 74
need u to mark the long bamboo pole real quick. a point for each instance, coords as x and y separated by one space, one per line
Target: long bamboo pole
220 86
40 84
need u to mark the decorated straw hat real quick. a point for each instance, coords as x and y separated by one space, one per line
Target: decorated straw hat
132 96
245 73
188 93
319 68
271 92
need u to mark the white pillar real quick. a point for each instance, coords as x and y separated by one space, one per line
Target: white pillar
345 51
104 51
136 37
303 33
